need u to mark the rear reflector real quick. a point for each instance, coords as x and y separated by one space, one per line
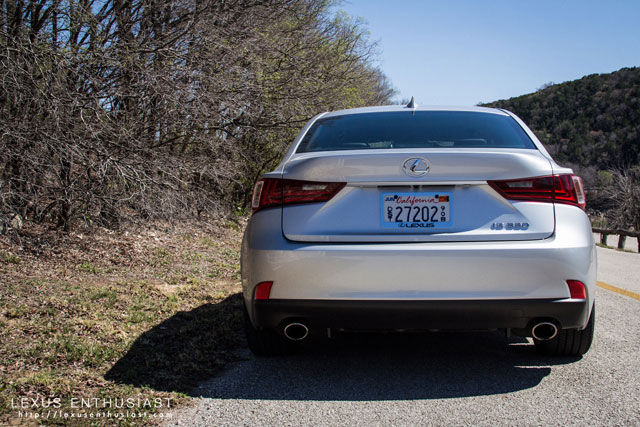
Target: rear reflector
263 289
577 289
556 188
270 192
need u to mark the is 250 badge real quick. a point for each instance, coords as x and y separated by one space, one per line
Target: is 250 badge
510 226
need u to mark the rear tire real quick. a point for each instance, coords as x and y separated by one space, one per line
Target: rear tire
265 342
569 342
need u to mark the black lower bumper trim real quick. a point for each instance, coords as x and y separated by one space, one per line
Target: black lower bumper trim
420 315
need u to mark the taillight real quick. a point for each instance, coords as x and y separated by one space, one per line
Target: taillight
266 193
580 193
276 192
577 290
556 188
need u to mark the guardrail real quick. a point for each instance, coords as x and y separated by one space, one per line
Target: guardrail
623 234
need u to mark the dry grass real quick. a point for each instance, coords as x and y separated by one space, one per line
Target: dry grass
142 313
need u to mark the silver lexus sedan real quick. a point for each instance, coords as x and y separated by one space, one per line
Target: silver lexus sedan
419 218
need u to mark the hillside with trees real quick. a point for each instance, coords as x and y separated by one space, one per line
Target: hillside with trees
590 122
163 108
592 125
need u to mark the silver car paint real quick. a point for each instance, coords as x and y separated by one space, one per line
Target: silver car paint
463 173
421 270
460 270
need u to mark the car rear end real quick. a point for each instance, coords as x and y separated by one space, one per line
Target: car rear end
419 219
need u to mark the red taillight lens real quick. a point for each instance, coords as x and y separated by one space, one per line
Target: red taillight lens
557 188
540 188
577 289
266 193
273 192
263 289
307 191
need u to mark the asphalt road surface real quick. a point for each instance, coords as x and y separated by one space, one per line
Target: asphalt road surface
443 379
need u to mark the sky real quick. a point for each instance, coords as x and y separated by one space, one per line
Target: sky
463 52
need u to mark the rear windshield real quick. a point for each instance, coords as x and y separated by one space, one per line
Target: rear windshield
420 129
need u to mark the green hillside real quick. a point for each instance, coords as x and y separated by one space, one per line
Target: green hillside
591 124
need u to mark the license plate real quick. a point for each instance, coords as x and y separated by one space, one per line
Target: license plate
416 210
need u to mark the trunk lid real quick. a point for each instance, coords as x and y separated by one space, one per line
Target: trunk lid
475 211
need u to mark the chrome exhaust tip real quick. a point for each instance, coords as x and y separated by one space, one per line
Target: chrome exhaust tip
296 331
544 331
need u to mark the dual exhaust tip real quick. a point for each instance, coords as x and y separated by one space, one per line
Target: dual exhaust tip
544 331
296 331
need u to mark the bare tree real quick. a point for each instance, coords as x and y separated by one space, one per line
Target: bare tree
117 109
623 193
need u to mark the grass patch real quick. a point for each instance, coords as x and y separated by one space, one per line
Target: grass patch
88 267
9 258
105 297
118 315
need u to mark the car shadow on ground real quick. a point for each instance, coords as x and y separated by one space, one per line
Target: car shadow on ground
370 367
190 348
185 349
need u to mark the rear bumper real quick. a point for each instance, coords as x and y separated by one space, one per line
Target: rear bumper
445 285
420 315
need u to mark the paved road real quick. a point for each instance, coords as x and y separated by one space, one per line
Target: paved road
442 379
621 269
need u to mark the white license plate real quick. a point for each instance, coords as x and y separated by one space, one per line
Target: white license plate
416 210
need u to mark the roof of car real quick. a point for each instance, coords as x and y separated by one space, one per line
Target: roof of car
398 108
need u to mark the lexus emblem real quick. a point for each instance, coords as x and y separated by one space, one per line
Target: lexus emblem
416 166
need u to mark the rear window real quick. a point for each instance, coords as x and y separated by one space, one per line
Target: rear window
420 129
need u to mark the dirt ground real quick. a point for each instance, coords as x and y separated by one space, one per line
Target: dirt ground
142 314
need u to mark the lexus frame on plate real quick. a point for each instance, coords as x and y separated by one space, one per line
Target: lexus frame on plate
414 218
